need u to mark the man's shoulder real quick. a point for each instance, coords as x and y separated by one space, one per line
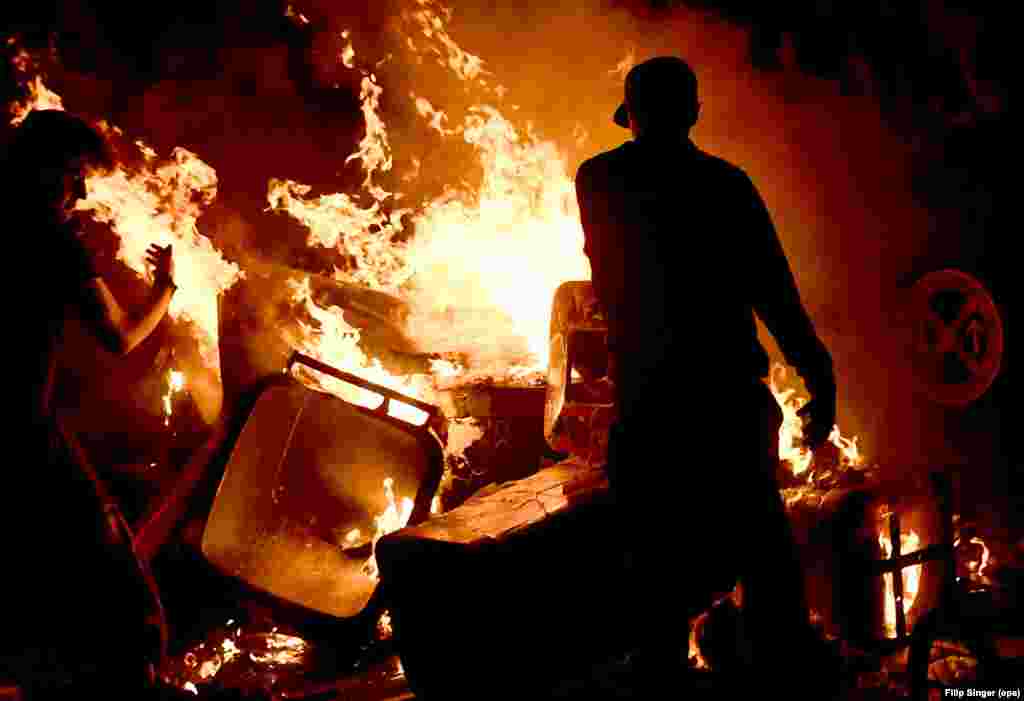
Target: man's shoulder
720 165
605 161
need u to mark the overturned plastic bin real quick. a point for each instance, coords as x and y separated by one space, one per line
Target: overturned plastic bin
306 473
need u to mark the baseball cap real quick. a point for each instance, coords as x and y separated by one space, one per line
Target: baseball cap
664 85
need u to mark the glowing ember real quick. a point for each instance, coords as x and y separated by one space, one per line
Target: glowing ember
909 542
246 652
280 649
697 660
175 383
978 566
393 519
297 17
979 562
348 54
384 630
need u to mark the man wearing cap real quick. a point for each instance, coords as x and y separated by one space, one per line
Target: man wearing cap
683 254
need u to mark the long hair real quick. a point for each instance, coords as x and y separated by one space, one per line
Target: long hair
47 142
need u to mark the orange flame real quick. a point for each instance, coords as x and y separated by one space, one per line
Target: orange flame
175 383
909 542
392 519
484 264
333 341
791 447
431 19
976 567
159 204
623 66
39 96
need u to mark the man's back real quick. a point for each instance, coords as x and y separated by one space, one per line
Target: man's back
675 242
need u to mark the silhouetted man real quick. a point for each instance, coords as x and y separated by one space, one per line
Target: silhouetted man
683 253
75 597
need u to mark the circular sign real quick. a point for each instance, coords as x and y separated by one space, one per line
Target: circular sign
958 337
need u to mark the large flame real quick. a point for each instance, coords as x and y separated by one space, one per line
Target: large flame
485 261
159 203
156 203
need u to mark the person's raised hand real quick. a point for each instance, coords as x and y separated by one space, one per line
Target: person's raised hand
162 260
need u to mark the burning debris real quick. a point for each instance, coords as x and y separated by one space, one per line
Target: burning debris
478 266
175 383
253 657
394 518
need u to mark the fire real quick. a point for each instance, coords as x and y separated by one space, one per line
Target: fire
280 649
175 383
384 630
483 265
430 19
347 53
909 542
39 96
978 566
392 519
978 561
791 448
331 339
623 66
159 203
269 649
155 203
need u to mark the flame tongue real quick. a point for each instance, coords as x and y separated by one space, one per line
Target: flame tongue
393 518
38 96
792 450
175 383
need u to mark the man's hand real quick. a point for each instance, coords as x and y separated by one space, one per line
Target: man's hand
820 415
162 260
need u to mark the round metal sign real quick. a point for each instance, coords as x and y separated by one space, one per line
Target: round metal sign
958 337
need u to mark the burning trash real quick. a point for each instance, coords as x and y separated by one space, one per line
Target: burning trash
249 657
